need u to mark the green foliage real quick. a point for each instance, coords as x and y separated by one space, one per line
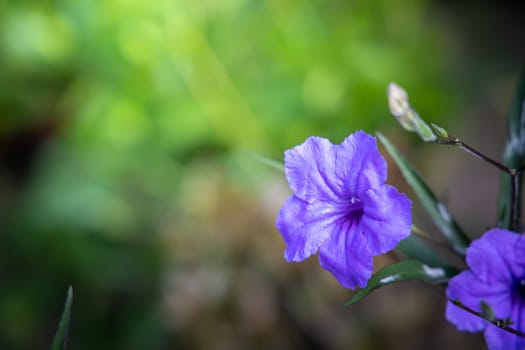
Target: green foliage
415 247
60 340
514 158
487 312
279 166
406 270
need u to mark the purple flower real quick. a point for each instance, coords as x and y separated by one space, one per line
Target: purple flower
341 207
496 275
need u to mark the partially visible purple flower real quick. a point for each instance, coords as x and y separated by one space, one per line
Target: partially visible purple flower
341 207
496 275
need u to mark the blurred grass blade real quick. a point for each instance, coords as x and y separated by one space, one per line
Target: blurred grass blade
513 157
415 247
268 161
406 270
437 211
60 340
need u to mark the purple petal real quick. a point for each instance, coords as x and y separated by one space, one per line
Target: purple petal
470 291
386 218
304 227
519 252
346 256
498 339
310 170
341 206
360 164
492 257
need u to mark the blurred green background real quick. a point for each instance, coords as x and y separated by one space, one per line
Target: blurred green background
129 135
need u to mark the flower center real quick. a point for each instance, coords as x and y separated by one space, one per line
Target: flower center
520 287
354 209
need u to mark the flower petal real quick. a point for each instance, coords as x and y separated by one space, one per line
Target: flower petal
360 164
304 227
386 219
498 339
470 291
346 256
519 253
332 185
310 170
492 258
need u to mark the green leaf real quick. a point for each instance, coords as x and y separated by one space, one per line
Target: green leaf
415 247
268 161
406 270
437 210
513 157
487 312
60 340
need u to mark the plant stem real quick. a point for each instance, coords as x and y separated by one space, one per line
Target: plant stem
454 141
503 324
515 175
514 218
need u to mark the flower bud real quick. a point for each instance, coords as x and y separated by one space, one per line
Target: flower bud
406 115
439 131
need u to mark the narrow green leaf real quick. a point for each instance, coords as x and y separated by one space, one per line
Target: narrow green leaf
487 312
437 210
415 247
513 157
406 270
268 161
60 340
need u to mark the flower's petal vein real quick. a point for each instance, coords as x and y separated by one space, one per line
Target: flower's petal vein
310 169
